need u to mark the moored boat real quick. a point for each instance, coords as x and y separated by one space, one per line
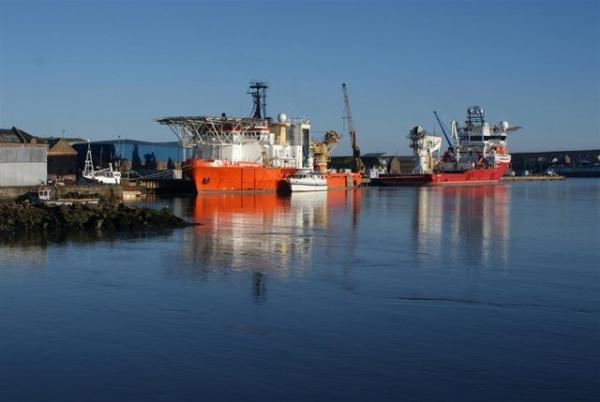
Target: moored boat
476 154
104 176
306 181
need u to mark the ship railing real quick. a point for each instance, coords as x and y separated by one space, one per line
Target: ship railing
299 120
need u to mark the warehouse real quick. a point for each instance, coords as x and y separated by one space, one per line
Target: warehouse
23 161
62 160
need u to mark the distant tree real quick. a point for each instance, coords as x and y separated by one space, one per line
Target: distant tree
136 162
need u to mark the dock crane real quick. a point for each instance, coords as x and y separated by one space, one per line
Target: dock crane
357 164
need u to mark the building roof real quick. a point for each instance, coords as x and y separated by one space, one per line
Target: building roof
68 140
375 155
60 146
15 136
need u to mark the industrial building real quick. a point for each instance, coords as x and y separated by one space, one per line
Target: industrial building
23 160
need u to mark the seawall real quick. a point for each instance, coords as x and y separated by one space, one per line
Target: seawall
105 191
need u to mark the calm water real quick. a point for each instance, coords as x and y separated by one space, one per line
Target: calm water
484 293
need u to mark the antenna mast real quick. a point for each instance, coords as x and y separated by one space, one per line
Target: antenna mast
258 91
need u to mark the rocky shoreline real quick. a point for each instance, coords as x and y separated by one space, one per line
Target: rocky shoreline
23 217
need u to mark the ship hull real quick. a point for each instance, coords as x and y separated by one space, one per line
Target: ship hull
342 180
472 176
219 176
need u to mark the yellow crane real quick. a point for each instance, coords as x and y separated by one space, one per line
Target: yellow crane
322 150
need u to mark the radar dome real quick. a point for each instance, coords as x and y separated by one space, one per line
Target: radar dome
503 125
282 117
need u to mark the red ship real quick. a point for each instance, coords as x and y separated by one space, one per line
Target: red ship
476 154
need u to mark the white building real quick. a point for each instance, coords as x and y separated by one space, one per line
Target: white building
23 161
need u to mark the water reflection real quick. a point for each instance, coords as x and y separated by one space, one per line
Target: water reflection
264 234
469 223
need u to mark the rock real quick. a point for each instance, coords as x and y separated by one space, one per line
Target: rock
15 217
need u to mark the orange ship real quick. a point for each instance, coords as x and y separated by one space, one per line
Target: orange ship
255 153
218 176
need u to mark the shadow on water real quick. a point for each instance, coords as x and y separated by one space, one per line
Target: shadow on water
73 236
31 249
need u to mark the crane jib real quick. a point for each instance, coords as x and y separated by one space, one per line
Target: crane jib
442 127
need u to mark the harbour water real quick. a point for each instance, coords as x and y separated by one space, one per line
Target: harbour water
470 293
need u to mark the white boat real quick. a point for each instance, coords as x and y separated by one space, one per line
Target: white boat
306 181
105 176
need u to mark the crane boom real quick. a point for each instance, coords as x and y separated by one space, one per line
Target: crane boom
357 164
442 127
347 110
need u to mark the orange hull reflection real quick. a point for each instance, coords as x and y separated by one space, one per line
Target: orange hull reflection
212 207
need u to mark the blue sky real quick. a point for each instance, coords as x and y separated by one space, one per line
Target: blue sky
102 69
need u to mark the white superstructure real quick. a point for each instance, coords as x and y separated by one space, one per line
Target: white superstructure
235 140
424 145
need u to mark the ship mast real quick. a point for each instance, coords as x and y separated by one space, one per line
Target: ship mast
258 91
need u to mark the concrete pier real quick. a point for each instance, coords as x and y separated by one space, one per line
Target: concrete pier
531 178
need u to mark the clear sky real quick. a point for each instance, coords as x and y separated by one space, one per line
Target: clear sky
100 69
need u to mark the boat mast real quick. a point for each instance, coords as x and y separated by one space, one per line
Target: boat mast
88 169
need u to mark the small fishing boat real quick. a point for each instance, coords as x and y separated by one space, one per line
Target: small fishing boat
105 176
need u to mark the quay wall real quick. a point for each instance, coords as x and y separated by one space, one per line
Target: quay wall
105 191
